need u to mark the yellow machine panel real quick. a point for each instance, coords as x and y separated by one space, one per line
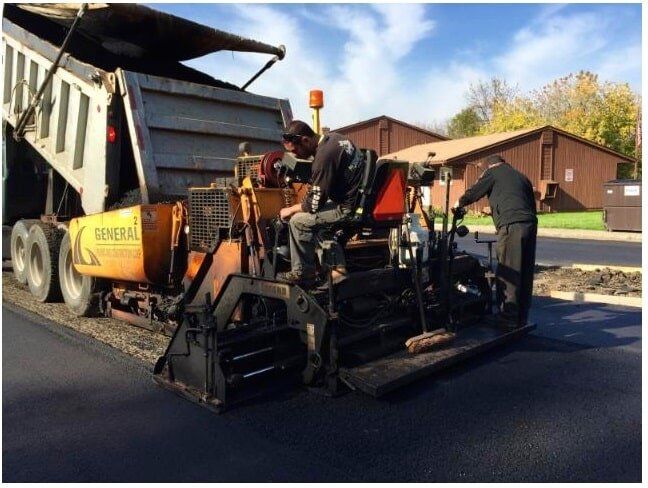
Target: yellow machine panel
129 244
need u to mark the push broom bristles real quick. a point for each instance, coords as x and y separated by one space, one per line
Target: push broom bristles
428 341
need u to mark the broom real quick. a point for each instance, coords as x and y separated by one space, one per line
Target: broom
436 339
429 341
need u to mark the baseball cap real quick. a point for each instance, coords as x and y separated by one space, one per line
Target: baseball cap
494 159
297 129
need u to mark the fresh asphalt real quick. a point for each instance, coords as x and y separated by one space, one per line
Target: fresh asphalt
563 404
565 252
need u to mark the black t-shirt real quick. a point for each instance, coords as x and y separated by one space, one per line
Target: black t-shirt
336 173
510 195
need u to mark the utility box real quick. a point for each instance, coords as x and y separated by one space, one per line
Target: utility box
622 205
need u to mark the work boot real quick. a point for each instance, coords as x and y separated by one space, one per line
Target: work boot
299 278
339 274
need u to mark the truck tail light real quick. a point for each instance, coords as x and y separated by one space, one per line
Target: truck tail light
112 134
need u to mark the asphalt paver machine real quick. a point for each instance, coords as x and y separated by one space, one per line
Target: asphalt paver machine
241 331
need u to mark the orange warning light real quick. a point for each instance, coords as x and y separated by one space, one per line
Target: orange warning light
316 99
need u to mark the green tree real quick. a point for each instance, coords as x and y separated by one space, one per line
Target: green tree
465 124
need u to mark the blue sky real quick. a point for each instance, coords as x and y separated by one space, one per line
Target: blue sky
415 62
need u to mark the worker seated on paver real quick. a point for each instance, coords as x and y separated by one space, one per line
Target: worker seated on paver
337 171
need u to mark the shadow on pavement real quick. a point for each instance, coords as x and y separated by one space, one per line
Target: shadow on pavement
588 324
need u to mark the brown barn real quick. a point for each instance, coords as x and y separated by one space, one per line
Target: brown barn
384 134
567 171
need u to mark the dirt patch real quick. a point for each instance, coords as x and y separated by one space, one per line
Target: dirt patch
603 281
140 343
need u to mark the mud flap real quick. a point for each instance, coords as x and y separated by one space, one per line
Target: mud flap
401 368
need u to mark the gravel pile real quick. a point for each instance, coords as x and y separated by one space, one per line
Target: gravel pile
604 281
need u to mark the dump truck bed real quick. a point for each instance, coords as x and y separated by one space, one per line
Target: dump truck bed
186 134
177 133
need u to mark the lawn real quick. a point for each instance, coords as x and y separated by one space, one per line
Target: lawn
590 220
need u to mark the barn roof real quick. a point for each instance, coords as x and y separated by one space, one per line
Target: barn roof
450 151
396 121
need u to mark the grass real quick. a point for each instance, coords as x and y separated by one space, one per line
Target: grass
590 220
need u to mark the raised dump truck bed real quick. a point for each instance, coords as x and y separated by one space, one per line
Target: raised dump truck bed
106 133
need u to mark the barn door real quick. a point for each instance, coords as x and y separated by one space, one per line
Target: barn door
546 165
383 126
547 159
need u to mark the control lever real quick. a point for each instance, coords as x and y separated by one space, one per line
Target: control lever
490 275
278 225
489 242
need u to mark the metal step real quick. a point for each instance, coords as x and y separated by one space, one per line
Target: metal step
391 372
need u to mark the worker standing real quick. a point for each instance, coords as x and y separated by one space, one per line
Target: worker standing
512 202
336 174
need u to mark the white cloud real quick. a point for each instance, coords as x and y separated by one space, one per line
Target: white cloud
552 48
290 78
356 83
621 65
365 77
549 10
377 40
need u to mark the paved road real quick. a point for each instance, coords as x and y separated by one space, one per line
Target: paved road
561 405
564 252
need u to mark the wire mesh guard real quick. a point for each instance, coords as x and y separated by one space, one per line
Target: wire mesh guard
210 216
247 166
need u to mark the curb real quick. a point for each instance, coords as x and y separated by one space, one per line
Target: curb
577 296
594 267
595 235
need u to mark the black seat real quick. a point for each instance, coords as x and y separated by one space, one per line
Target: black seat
367 178
381 200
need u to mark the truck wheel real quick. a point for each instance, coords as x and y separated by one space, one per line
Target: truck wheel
41 256
19 234
81 293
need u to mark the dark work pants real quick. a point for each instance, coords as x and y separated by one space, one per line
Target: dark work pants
304 233
516 246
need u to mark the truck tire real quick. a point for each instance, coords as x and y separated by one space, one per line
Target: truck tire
19 234
81 293
41 255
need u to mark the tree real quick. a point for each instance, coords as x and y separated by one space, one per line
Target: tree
484 95
434 126
514 115
465 124
605 113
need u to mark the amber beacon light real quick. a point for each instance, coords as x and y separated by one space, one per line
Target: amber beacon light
316 102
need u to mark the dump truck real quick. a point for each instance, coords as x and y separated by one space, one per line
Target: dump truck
197 253
113 118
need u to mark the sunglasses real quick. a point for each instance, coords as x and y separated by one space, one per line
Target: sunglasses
292 138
